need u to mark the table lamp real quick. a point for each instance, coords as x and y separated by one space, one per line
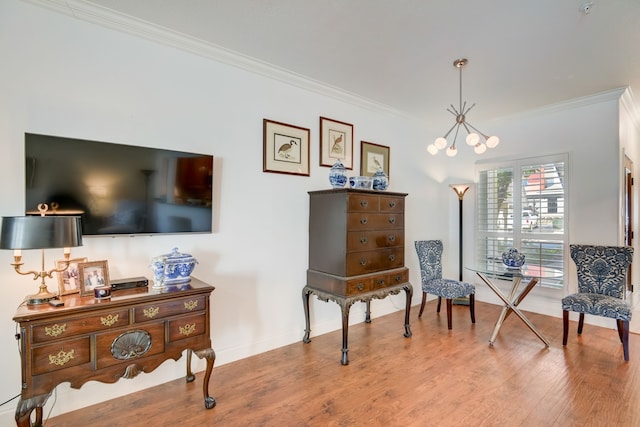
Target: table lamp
40 232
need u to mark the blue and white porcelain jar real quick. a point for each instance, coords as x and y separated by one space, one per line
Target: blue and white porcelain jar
380 180
337 175
172 268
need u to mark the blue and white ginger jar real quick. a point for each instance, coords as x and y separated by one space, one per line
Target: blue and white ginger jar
337 175
380 180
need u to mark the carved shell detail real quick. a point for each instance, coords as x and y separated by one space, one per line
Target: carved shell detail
131 344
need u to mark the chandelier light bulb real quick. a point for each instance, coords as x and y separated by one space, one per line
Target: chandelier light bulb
452 151
493 141
473 139
432 149
440 143
480 148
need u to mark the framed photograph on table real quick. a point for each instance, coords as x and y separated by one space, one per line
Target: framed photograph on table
286 148
336 143
91 275
372 158
68 280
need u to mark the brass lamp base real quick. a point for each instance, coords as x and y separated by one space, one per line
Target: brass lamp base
42 297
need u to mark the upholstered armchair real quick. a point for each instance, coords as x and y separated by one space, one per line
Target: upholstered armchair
602 272
430 258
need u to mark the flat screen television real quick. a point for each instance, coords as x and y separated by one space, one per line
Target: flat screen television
119 189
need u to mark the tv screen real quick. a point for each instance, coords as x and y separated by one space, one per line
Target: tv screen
119 189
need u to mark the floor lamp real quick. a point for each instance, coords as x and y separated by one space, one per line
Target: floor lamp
460 190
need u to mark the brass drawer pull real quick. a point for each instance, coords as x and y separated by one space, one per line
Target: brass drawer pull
187 329
363 203
392 257
363 261
380 282
190 305
110 320
55 330
360 286
151 312
392 203
399 278
363 240
62 358
392 220
392 238
363 220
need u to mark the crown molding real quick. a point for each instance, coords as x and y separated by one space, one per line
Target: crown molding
89 12
628 102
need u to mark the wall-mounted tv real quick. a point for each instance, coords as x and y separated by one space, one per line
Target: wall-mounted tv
119 189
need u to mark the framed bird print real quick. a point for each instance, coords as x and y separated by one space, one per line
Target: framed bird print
373 157
286 148
336 143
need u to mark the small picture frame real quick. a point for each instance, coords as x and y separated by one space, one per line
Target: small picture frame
336 143
373 157
92 274
286 148
68 280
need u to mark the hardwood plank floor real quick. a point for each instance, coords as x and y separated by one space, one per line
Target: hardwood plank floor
435 378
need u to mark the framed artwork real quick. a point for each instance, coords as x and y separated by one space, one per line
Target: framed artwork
336 143
68 282
91 275
286 148
372 158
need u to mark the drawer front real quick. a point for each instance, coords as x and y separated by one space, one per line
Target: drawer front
148 312
370 221
53 357
363 203
126 345
372 261
391 204
395 278
358 286
71 327
187 327
370 240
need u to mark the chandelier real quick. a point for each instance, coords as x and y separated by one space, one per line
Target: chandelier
473 139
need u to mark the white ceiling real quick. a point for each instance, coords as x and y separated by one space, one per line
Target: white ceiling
399 53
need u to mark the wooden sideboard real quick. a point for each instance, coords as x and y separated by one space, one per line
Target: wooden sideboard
105 340
356 252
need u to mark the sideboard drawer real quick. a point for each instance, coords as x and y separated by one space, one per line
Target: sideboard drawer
125 346
372 261
369 240
187 327
392 204
362 203
71 327
52 357
145 313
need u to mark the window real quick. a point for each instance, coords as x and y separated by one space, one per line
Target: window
521 204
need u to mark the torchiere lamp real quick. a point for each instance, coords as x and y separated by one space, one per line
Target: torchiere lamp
460 190
40 232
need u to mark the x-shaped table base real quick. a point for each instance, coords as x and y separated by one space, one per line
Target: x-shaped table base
511 305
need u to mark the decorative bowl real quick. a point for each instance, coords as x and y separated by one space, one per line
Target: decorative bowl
360 182
172 268
512 258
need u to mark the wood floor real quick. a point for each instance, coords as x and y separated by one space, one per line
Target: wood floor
436 378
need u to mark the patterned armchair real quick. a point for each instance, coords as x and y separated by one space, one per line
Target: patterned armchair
430 258
602 272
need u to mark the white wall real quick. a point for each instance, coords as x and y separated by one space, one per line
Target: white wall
61 76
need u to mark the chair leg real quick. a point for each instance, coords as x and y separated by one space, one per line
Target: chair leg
580 323
565 326
449 314
620 329
625 338
439 302
472 307
424 300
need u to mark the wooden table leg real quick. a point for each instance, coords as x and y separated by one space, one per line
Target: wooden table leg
408 289
305 305
26 406
210 355
345 332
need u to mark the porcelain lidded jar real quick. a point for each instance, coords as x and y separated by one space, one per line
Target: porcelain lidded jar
172 268
337 175
380 180
512 258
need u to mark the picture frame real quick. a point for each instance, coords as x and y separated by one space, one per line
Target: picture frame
91 275
372 157
336 143
285 148
68 281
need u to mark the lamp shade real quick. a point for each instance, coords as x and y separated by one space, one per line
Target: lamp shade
40 232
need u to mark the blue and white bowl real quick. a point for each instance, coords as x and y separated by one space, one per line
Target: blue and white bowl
512 258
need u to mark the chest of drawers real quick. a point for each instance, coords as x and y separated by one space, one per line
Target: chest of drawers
356 250
88 339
